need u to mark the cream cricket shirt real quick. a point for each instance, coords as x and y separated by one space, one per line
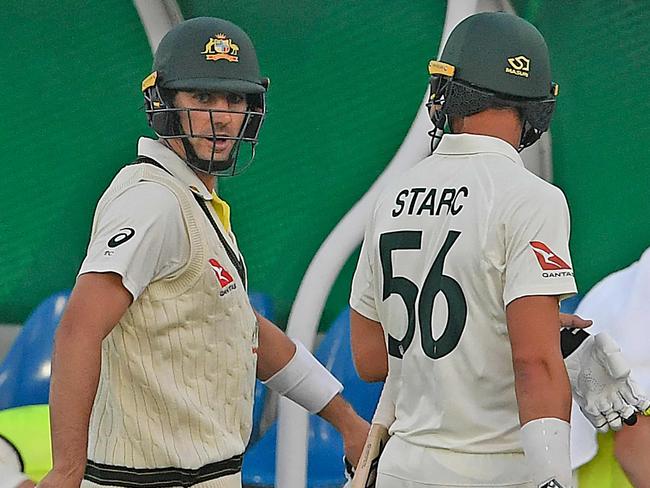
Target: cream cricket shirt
449 245
174 399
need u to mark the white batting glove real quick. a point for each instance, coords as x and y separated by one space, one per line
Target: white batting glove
601 382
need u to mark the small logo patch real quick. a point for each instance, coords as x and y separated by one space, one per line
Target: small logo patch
120 238
547 259
223 276
552 483
221 47
519 66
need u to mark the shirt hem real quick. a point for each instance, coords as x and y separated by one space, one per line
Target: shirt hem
131 287
362 309
562 293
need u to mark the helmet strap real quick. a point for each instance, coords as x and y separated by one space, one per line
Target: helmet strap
438 91
211 167
529 135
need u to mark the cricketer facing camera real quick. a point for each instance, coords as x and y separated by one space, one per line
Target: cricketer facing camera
155 358
456 291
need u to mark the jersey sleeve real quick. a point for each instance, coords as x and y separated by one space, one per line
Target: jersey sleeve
139 235
362 296
537 257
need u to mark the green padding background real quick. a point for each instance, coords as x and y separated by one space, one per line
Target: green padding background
70 114
601 131
345 86
346 81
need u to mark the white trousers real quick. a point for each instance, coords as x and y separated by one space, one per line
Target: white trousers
230 481
405 465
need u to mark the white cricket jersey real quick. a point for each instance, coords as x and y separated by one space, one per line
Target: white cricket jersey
449 245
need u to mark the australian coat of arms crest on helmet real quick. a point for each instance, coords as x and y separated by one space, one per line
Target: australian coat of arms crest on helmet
221 47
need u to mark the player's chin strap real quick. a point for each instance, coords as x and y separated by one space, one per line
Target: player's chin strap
210 167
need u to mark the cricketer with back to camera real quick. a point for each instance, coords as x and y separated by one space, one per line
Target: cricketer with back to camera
456 292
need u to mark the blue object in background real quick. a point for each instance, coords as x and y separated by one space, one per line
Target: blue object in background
570 304
259 461
263 303
25 372
325 456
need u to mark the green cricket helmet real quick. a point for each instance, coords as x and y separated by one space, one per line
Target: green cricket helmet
206 54
494 59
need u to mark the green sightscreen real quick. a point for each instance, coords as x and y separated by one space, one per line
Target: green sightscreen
346 81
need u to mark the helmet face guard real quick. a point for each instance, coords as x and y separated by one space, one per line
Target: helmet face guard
449 96
164 119
206 54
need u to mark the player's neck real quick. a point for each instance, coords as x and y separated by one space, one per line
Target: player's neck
503 124
208 180
176 146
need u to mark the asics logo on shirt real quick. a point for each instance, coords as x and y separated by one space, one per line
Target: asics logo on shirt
120 238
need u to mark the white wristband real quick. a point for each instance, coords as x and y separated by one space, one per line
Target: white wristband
546 445
305 381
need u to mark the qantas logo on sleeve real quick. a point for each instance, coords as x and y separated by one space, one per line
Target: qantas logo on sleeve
548 260
223 276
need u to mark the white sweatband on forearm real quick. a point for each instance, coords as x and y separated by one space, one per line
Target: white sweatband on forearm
305 381
546 445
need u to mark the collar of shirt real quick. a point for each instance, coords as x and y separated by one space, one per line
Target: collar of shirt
176 166
474 144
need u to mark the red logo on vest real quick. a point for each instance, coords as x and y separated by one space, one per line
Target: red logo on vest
548 260
222 274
